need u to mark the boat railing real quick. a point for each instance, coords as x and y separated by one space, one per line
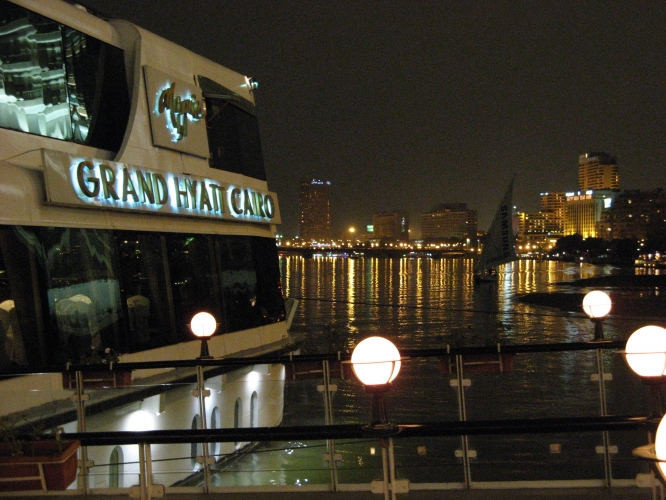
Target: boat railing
576 427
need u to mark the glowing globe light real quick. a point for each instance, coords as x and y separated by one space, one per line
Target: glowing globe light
376 361
660 446
596 304
645 352
203 325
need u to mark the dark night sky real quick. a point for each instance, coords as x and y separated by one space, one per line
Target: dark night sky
406 104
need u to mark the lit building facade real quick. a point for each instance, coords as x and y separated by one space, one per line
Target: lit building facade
553 204
391 226
637 214
585 213
315 197
449 221
598 171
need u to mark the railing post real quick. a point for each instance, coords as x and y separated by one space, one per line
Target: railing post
460 383
79 400
201 394
330 443
603 412
385 469
391 455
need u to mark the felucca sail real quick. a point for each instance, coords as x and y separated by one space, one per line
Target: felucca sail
498 247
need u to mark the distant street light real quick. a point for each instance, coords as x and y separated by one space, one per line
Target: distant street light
203 326
597 305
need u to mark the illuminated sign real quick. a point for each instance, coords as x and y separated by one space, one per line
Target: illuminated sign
177 113
179 110
105 184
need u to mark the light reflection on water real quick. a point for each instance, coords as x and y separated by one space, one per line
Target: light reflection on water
426 303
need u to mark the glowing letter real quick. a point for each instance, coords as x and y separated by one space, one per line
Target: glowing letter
128 186
204 201
181 195
160 188
94 181
108 178
247 203
269 205
145 187
234 199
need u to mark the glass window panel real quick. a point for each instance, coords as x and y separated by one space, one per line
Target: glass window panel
144 282
60 83
269 285
192 279
233 131
21 332
239 284
83 290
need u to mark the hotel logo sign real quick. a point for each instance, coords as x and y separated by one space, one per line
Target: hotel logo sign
104 184
177 113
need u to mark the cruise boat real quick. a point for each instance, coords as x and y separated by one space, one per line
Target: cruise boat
133 195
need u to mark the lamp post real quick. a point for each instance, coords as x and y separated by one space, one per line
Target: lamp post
376 363
597 305
645 353
203 326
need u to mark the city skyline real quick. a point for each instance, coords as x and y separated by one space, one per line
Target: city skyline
406 105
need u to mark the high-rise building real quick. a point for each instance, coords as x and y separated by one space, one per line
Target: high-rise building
553 205
391 226
449 221
598 171
638 214
315 197
584 212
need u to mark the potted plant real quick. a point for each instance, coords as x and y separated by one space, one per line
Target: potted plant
98 379
35 461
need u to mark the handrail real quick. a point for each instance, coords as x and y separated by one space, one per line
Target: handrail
301 358
359 431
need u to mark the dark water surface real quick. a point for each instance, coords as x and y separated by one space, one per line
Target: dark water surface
426 303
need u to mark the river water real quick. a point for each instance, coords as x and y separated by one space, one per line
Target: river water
428 303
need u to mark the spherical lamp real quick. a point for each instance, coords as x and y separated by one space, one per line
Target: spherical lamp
645 351
203 326
660 446
597 305
376 361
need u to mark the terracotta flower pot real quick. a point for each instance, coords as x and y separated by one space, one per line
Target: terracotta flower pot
44 465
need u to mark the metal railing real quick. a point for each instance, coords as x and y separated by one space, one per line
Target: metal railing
457 363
